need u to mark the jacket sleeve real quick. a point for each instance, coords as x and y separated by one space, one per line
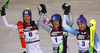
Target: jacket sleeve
97 43
71 20
7 24
45 21
67 27
43 25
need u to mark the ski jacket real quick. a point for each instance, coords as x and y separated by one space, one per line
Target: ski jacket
56 36
31 33
83 37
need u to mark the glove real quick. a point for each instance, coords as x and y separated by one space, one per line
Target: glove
24 52
66 8
3 11
41 8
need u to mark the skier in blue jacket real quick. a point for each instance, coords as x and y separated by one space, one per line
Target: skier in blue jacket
82 34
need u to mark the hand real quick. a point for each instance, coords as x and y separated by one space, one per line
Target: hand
3 11
41 8
66 8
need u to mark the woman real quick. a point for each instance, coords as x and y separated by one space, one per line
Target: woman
83 34
56 31
31 31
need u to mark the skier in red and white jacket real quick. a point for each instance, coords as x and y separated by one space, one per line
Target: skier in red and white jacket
31 31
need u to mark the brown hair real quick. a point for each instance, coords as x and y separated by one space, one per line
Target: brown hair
32 23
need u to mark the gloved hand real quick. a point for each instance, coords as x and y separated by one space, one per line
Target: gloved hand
41 8
3 11
66 8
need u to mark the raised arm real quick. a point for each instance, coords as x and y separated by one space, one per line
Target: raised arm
43 18
11 26
67 12
43 25
67 27
71 20
45 21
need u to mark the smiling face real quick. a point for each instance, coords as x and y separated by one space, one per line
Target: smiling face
27 18
82 26
55 23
